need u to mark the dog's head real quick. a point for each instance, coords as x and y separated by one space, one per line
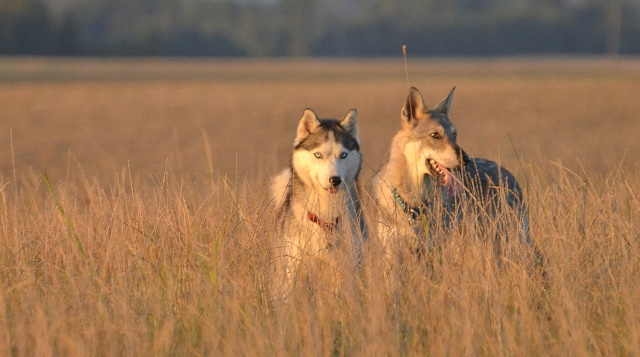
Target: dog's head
326 152
431 146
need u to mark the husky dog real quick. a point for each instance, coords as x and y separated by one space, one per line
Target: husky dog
427 176
317 196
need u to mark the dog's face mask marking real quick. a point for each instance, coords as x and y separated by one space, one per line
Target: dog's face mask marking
326 154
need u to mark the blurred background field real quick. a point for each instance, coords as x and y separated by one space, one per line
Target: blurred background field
105 115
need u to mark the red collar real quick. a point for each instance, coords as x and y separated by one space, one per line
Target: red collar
324 225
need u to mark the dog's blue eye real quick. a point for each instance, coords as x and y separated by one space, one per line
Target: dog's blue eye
317 155
343 155
435 135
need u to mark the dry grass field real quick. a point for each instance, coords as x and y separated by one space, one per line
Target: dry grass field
151 232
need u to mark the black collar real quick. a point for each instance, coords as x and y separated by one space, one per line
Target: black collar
414 212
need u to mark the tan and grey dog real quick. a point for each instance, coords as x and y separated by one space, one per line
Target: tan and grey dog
317 196
429 181
417 173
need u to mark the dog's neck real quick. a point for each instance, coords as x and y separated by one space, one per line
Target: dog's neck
418 190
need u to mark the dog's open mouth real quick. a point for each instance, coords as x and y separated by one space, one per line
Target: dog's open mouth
446 178
332 190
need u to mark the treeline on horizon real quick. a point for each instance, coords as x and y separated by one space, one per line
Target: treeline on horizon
279 28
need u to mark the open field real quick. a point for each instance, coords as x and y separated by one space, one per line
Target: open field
107 116
151 232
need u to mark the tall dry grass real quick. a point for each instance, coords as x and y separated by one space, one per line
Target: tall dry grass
184 267
173 255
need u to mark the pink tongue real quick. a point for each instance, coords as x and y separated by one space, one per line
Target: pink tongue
450 183
333 190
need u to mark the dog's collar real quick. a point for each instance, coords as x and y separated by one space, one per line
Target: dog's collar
324 225
413 212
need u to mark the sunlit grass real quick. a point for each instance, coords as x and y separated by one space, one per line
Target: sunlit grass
173 255
183 267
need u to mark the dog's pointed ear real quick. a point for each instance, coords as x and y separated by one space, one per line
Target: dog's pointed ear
350 124
413 109
445 105
308 124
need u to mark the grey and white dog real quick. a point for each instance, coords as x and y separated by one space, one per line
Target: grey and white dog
429 182
316 198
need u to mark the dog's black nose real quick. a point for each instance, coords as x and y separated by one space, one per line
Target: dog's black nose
335 181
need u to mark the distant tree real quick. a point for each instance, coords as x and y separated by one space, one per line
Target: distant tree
613 10
25 27
301 29
267 28
68 35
